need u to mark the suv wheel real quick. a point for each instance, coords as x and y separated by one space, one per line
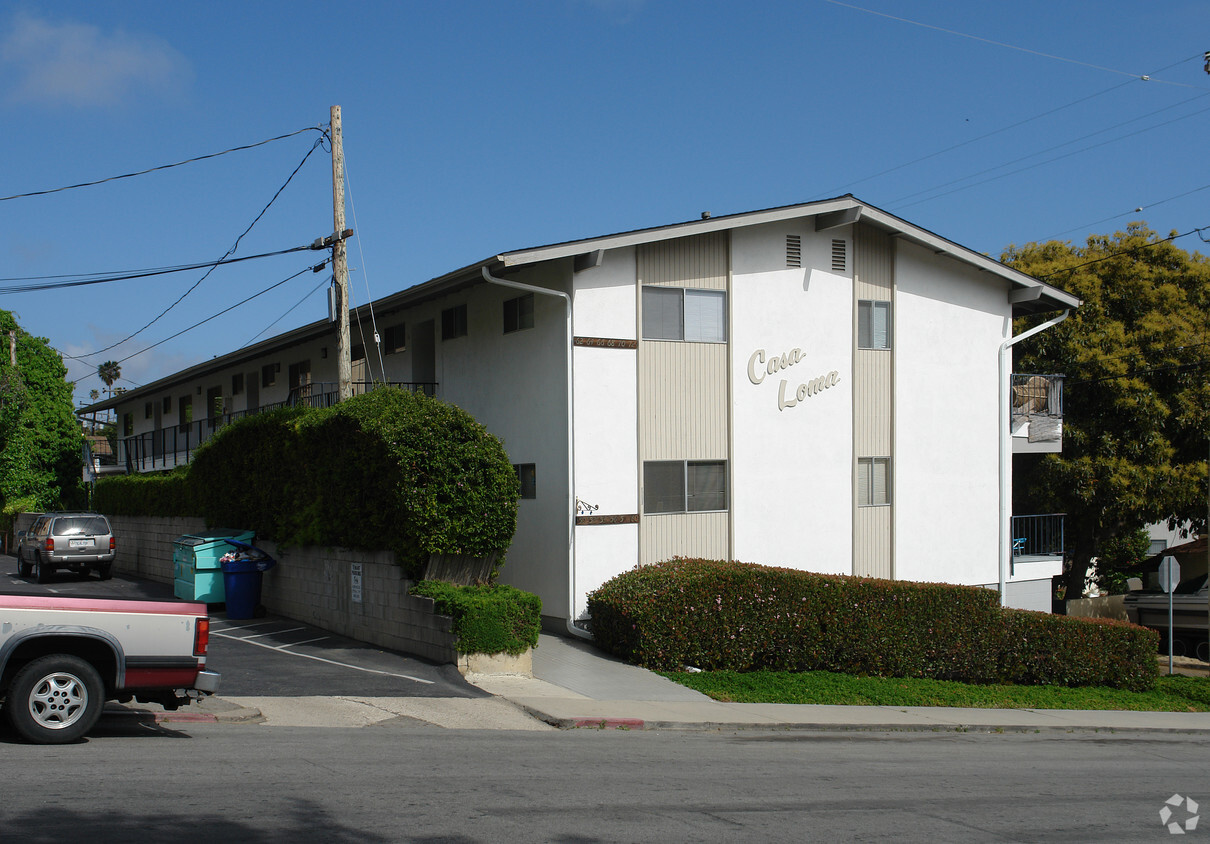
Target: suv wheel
23 568
55 699
44 571
105 571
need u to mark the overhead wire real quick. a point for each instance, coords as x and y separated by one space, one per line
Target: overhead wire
307 296
160 167
382 366
234 246
1139 209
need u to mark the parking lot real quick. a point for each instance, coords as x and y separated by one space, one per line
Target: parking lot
272 656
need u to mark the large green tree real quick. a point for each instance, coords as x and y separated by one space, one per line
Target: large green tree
40 439
1136 356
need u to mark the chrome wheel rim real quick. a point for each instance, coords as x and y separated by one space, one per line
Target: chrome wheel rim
58 701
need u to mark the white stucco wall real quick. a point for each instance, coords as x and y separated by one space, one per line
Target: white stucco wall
606 409
791 468
949 323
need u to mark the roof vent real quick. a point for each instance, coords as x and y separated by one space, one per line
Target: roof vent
838 256
705 215
793 250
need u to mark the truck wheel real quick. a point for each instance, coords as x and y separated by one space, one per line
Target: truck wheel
23 568
55 699
44 571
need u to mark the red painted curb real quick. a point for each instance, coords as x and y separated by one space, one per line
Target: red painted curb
609 723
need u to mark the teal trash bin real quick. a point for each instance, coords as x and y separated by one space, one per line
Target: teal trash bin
242 568
197 575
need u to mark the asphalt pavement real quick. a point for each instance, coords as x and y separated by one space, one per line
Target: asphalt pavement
279 672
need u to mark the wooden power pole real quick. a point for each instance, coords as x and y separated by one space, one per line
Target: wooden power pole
340 263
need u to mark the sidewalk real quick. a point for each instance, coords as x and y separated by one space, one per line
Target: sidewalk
576 685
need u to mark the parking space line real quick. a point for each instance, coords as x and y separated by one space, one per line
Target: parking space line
268 633
328 661
303 642
229 626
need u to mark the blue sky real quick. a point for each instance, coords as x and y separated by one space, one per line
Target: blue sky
472 128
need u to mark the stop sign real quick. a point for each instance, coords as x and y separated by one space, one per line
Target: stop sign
1170 573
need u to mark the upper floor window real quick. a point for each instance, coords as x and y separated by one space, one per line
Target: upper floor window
519 313
268 374
873 481
237 383
873 325
528 476
453 322
676 313
395 341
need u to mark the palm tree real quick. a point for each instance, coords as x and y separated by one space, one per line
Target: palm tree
110 371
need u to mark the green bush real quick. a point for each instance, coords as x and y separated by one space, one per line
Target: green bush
487 619
742 617
389 469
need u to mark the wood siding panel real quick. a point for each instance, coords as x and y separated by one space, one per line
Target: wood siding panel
873 400
700 262
686 535
682 401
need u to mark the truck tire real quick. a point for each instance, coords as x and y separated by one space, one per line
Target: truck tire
44 571
23 568
55 699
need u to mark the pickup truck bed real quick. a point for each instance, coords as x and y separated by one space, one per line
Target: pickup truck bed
62 658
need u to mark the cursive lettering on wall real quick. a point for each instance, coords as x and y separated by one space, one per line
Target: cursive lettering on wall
761 365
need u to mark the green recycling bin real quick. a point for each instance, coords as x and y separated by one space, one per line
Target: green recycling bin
197 574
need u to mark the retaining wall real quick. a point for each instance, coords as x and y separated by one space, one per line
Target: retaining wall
359 594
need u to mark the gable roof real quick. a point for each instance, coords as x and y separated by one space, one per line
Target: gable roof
1028 294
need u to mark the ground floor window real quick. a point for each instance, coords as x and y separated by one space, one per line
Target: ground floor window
684 486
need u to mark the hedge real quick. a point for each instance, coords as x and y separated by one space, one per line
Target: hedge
728 615
487 619
389 469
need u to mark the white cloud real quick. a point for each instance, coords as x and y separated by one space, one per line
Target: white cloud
79 65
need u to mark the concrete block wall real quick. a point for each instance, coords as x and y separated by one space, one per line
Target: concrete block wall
316 585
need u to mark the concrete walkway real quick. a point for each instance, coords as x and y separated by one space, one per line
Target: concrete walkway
576 685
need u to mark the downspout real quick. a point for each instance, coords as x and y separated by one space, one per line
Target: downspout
571 446
1005 436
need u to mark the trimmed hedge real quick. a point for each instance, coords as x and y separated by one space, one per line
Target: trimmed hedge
389 469
743 617
487 619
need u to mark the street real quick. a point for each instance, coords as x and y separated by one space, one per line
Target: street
231 782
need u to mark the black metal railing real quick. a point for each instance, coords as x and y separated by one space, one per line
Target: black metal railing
1038 536
165 448
1037 395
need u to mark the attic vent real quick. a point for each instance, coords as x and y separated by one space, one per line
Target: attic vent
838 256
793 250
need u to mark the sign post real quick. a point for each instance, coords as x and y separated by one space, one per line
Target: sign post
1170 576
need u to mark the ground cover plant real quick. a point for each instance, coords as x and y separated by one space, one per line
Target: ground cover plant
719 615
1170 694
487 619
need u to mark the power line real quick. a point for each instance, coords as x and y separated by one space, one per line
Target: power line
161 167
307 296
1147 245
56 285
1144 77
1137 210
234 246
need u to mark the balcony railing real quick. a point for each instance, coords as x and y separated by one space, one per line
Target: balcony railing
1036 537
1037 395
165 448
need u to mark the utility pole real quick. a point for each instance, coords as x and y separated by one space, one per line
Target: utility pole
340 264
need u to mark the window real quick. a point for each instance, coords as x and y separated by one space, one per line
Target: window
268 374
674 313
237 383
684 486
873 481
453 322
519 313
395 341
528 476
147 410
873 325
128 424
185 410
167 404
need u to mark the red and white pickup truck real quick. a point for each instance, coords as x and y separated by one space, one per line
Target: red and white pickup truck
62 658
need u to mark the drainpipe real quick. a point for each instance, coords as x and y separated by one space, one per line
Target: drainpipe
1005 436
571 443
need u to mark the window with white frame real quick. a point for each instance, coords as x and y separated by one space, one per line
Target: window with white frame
519 313
676 313
684 486
873 481
873 324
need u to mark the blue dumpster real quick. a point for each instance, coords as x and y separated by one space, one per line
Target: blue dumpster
197 575
242 570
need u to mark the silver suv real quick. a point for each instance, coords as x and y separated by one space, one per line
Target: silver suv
77 541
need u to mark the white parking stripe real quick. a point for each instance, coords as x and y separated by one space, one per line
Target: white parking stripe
268 633
303 642
328 661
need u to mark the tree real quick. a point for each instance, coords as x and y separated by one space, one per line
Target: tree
40 439
109 372
1136 400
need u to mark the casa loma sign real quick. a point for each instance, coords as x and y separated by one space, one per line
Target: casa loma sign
760 366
